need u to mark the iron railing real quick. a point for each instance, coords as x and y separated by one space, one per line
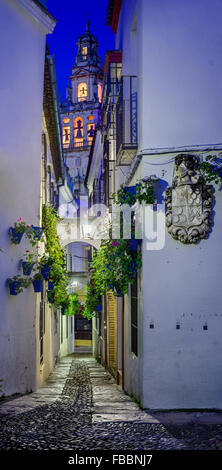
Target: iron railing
126 115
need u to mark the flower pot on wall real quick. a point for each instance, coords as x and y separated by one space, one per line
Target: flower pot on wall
51 297
50 285
27 268
14 287
63 311
37 285
133 244
45 271
98 308
15 235
37 232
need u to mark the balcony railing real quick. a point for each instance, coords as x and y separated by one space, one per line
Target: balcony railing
84 145
126 120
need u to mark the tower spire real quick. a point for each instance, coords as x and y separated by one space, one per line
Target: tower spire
87 23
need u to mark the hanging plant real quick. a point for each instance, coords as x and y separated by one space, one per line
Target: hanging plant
113 267
141 192
17 284
20 228
212 169
17 231
37 282
28 262
55 257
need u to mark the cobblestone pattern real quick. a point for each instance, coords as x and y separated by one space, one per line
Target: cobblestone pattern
67 424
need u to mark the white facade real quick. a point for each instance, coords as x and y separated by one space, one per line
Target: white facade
175 48
30 330
23 29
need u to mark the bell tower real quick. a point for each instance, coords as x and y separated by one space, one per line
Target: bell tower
80 112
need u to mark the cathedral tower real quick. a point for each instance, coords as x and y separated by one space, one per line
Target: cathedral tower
81 110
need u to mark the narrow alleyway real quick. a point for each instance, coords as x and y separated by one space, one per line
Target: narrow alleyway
81 407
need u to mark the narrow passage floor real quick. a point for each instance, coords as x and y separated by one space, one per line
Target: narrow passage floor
81 407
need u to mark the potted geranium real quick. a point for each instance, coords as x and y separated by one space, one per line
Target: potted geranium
17 283
37 281
28 263
16 232
37 233
46 263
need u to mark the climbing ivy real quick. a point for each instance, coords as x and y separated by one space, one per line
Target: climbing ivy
212 169
58 273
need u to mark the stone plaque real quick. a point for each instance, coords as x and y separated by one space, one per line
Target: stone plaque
189 201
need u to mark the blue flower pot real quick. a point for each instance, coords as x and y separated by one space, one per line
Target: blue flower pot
133 244
130 189
15 235
51 298
99 308
37 284
37 232
45 271
14 287
119 293
133 268
63 311
27 268
50 285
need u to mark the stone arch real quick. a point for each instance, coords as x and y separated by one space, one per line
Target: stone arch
68 233
89 241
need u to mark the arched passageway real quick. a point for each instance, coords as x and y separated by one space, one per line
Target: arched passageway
78 256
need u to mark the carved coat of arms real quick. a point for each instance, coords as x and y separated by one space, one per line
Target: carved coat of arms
189 201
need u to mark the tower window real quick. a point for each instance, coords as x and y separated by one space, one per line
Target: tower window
90 133
82 92
78 132
84 52
66 136
91 117
100 92
66 120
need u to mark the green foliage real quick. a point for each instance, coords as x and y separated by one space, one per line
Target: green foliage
24 282
212 169
92 299
74 305
22 227
144 193
113 267
55 254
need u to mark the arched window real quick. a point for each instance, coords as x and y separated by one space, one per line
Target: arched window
84 52
66 136
100 92
90 133
78 132
82 91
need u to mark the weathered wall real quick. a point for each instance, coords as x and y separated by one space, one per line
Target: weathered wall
181 285
179 46
22 53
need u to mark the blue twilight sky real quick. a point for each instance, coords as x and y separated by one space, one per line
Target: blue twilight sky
71 23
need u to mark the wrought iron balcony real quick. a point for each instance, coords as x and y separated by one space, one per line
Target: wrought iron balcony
126 121
78 146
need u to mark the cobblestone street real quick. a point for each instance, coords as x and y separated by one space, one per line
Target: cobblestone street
81 407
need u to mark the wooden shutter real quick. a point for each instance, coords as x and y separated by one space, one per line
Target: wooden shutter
112 332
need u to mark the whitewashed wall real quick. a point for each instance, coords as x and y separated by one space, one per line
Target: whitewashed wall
22 53
182 284
179 46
